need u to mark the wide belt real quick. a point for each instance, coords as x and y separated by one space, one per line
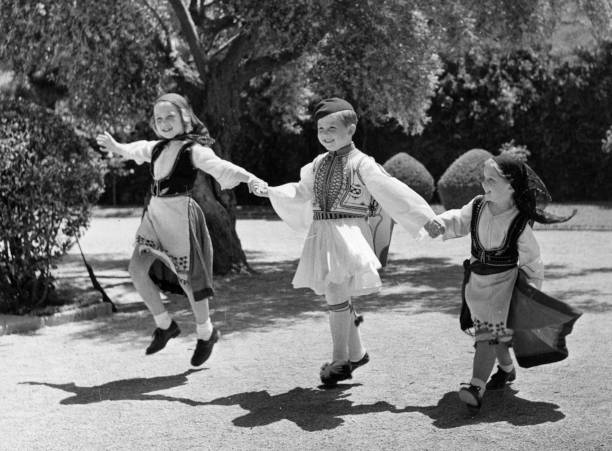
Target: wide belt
322 215
161 189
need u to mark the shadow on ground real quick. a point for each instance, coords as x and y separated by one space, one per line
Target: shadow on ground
311 409
314 409
500 406
136 389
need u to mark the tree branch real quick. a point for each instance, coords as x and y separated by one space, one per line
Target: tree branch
185 72
162 24
191 35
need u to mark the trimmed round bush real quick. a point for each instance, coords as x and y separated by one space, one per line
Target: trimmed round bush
461 182
49 181
411 172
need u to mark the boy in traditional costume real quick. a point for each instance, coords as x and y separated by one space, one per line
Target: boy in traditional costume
173 228
501 297
348 203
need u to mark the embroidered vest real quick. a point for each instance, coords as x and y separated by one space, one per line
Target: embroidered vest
507 253
182 176
339 191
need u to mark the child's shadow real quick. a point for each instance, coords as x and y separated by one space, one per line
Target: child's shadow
135 389
309 408
498 406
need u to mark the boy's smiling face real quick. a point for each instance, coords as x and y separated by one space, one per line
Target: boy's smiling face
168 121
332 132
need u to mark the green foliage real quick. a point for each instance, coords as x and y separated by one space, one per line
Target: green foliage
104 54
560 113
49 181
380 57
462 180
411 172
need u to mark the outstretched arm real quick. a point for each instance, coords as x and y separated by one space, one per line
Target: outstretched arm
456 222
404 205
292 202
228 174
139 151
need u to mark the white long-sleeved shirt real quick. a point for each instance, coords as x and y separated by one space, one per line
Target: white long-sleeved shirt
226 173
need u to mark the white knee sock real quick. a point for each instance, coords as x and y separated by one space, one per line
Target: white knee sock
339 324
204 330
162 320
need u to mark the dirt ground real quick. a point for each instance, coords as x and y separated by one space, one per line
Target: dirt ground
88 385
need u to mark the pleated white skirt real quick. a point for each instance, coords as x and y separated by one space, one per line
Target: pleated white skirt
338 251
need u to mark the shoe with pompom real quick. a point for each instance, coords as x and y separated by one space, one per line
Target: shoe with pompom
332 373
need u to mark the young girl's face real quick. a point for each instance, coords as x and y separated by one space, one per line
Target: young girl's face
168 120
496 187
332 132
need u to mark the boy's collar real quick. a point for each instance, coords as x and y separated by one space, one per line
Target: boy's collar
343 150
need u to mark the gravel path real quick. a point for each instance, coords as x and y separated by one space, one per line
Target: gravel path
88 385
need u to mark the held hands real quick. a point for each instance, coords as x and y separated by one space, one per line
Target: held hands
434 228
258 187
107 143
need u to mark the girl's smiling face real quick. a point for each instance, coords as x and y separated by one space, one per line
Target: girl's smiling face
168 120
496 187
332 132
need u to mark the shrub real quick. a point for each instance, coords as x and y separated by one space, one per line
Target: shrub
49 180
410 171
461 181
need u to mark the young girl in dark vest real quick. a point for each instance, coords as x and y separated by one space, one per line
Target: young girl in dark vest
173 228
502 243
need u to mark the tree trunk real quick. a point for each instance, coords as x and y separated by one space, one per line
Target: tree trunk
219 106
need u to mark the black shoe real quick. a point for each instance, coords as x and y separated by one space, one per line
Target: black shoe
204 349
470 395
499 380
365 359
332 373
161 337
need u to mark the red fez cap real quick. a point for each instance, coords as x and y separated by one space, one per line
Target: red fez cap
331 105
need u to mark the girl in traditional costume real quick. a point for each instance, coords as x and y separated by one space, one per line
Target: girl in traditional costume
173 228
338 201
503 277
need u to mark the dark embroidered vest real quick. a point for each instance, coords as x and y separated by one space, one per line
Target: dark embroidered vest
507 253
182 176
339 191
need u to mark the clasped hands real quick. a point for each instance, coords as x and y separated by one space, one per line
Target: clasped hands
434 228
258 187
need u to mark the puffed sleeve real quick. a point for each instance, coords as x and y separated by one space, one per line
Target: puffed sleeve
403 204
457 221
139 151
227 174
292 202
530 260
